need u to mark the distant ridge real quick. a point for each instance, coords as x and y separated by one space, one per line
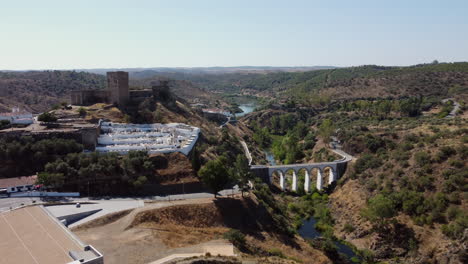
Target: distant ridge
213 70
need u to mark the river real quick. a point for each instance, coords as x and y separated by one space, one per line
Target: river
246 108
308 230
270 158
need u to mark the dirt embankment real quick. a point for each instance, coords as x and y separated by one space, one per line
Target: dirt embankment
161 229
174 168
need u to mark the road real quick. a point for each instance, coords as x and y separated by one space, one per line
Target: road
11 203
335 146
247 152
456 107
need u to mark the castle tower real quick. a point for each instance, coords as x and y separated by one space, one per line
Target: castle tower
117 84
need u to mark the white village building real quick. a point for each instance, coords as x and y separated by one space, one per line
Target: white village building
153 138
16 116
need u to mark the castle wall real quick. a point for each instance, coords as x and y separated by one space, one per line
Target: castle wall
118 92
140 95
89 97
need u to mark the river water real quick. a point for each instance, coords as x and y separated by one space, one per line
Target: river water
308 230
270 158
247 108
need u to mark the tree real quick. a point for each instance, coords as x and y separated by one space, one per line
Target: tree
47 117
215 175
54 180
326 130
379 209
242 173
195 160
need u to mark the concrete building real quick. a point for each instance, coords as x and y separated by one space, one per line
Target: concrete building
153 138
18 184
33 235
16 116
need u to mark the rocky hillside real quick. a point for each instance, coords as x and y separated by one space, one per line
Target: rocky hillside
38 91
371 81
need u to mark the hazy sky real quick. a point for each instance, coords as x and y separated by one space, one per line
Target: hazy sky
76 34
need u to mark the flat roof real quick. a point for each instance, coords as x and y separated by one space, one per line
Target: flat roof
30 235
18 181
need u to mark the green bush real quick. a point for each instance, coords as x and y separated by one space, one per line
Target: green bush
367 161
4 124
422 158
456 229
456 163
276 252
47 117
348 228
445 152
236 237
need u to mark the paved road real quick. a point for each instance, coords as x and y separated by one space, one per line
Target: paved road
9 203
335 146
247 152
456 107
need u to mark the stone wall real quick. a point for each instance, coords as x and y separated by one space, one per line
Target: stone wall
89 97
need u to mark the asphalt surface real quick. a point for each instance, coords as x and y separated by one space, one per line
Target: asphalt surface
11 203
456 107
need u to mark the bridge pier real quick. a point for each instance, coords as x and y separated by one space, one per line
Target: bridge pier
307 182
281 180
294 182
331 177
319 180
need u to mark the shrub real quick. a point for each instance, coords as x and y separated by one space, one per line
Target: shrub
444 153
456 163
276 252
367 161
348 228
47 117
235 237
4 124
422 158
81 111
455 229
453 212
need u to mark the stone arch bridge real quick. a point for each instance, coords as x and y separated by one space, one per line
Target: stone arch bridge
334 169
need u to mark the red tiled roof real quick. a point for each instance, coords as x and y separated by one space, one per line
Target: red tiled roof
18 181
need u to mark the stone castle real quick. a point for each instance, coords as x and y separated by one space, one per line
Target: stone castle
117 92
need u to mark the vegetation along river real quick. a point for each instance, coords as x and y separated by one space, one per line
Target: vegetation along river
307 229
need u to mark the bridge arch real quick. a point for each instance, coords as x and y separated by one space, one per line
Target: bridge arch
290 176
314 175
303 180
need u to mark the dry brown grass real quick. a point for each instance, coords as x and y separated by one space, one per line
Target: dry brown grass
176 236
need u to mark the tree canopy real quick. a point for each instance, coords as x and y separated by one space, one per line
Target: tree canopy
215 175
